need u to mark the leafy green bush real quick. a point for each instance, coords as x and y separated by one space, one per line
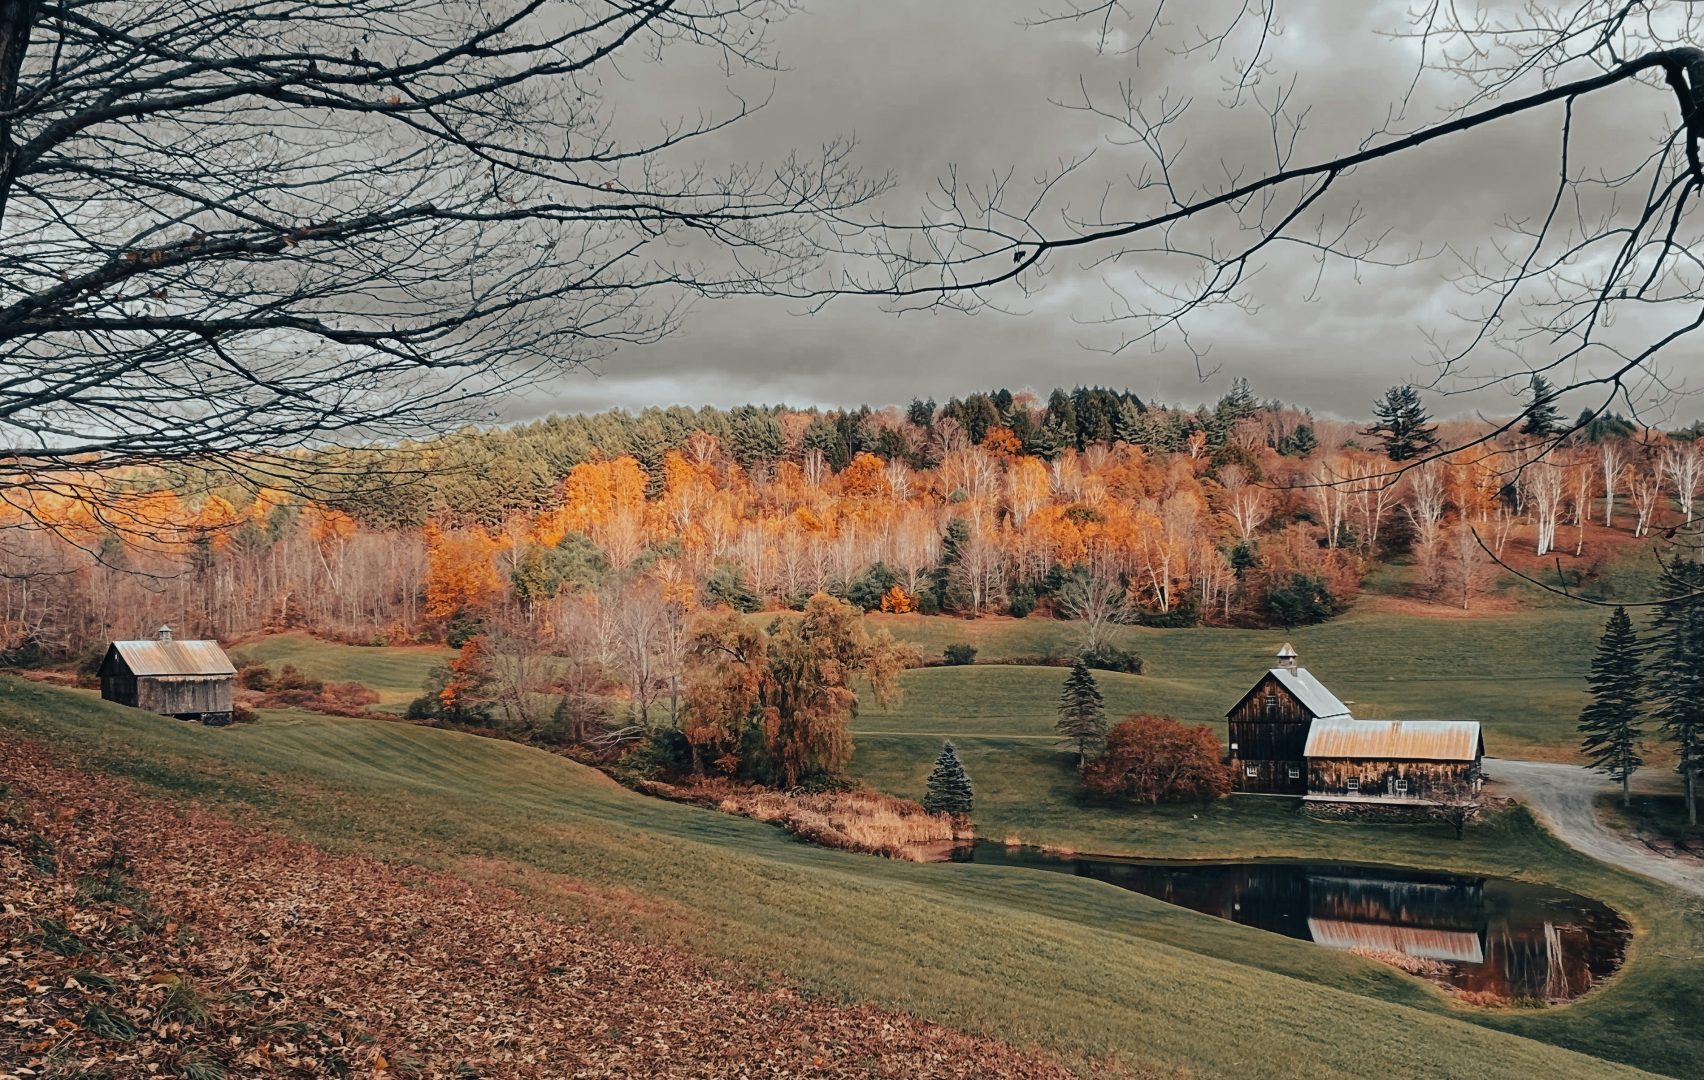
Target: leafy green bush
959 653
1301 600
1108 657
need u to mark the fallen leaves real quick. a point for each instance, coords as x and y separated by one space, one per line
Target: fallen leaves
236 952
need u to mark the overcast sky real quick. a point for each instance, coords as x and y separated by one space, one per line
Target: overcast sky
928 85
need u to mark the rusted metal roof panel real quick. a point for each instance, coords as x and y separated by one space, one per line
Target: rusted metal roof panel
1310 692
161 658
1460 946
1395 740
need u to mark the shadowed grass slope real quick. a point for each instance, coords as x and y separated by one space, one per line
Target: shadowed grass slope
1071 964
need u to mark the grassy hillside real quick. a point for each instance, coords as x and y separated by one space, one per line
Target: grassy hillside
394 673
1384 663
1068 963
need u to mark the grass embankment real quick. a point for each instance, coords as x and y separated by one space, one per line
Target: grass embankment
1080 967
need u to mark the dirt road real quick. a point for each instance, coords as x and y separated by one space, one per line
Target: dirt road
1562 798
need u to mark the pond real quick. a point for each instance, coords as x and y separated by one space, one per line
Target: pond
1496 938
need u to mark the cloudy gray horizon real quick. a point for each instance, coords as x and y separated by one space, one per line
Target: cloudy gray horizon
931 85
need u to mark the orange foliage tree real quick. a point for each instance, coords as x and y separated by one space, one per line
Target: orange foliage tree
460 572
1150 759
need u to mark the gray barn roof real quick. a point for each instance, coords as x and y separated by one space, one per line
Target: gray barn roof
174 658
1310 692
1394 740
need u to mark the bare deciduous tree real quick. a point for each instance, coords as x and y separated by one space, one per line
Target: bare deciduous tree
1218 176
232 230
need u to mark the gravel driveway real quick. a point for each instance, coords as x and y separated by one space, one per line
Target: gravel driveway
1561 796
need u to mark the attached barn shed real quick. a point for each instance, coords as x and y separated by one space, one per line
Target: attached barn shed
191 680
1423 761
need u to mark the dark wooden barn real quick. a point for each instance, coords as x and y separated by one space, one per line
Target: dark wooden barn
1289 735
1269 728
191 680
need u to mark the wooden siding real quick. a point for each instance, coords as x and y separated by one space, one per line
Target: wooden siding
1268 730
196 697
184 696
1423 781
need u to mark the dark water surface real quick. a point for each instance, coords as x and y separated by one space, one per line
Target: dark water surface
1489 935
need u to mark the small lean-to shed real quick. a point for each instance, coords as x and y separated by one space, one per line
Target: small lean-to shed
191 680
1426 761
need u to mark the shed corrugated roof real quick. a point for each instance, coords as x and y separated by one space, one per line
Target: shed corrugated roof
1397 740
174 658
1310 692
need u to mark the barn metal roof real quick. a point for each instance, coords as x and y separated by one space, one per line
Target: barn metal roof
166 658
1310 692
1458 945
1397 740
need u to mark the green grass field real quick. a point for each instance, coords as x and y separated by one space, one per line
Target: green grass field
396 674
1382 664
1083 968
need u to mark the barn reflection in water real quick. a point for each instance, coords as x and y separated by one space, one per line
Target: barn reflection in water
1487 935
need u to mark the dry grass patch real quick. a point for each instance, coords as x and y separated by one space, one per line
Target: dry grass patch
866 822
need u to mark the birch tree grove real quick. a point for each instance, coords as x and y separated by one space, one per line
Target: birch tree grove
1684 467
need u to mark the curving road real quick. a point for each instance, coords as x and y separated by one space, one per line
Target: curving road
1561 796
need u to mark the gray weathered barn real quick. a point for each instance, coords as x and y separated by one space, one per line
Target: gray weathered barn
191 680
1289 735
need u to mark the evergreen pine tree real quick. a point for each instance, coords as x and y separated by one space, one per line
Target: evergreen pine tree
1609 726
949 790
1403 424
1082 714
1675 674
1543 418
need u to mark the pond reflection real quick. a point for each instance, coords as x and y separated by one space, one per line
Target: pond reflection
1489 936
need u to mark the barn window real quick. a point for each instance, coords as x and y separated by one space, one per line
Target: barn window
1251 770
1271 703
1295 772
1354 785
1400 786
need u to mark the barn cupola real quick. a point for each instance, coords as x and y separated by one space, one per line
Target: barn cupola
164 633
1287 656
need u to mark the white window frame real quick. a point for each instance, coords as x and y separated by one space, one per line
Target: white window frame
1399 785
1295 772
1354 785
1251 771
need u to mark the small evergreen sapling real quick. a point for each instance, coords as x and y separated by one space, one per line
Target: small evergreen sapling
1610 726
949 790
1082 713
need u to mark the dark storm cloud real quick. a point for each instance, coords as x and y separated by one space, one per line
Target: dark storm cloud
936 83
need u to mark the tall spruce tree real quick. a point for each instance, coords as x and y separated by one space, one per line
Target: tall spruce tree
1402 424
1675 673
1082 713
1610 729
1543 418
949 790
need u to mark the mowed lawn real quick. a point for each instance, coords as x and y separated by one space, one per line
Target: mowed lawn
396 673
1083 968
1522 675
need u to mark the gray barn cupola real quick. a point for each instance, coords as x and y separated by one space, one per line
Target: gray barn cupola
164 633
1287 656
